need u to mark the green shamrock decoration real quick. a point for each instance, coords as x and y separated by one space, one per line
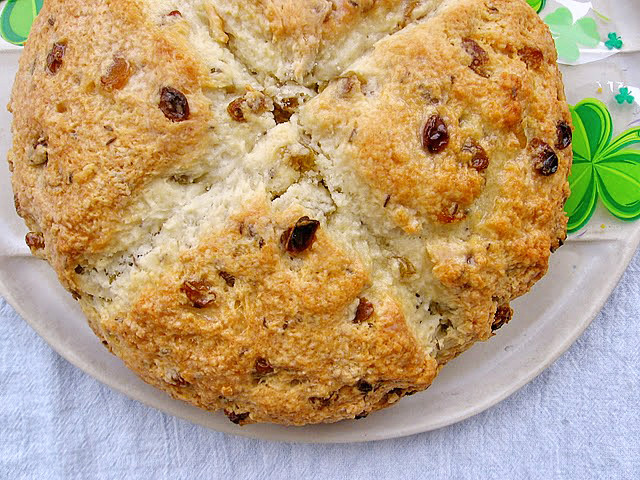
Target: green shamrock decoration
625 96
614 41
16 19
568 35
537 5
602 167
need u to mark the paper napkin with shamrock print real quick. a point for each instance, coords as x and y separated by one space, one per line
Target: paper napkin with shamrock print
537 5
614 41
569 34
587 31
602 168
16 19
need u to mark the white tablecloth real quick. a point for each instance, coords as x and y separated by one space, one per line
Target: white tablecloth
579 419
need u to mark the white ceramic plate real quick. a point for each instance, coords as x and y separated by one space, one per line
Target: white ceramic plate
547 321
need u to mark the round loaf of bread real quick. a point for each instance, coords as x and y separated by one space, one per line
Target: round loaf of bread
295 211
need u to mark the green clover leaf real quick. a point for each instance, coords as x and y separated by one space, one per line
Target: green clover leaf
615 41
16 19
568 35
602 167
537 5
625 96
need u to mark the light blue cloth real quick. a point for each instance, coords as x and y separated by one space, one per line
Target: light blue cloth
580 419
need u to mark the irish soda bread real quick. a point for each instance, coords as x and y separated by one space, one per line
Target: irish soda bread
295 211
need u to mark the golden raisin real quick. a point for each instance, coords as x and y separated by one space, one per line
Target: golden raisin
533 57
199 293
479 57
405 267
118 74
479 158
450 214
235 110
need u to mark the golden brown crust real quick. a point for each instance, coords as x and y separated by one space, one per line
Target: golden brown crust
96 137
298 319
167 196
488 232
